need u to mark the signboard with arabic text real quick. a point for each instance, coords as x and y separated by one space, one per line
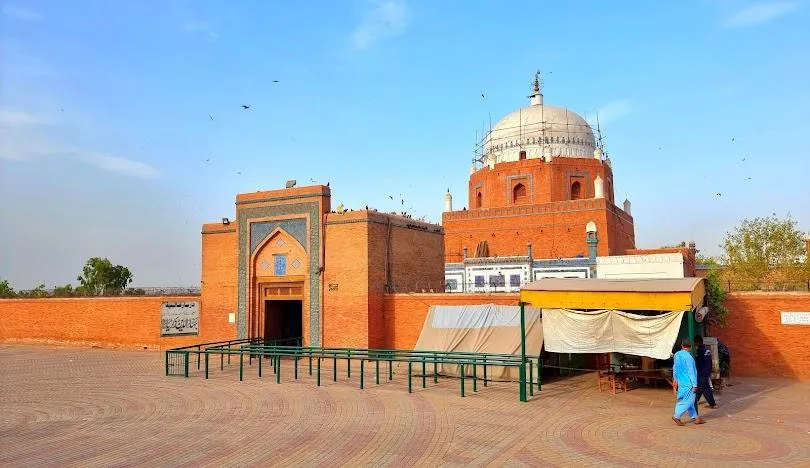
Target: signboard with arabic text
179 318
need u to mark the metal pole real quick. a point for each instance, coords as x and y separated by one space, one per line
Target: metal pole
206 364
167 363
690 321
334 368
296 365
278 369
485 371
349 364
319 370
240 365
377 371
362 372
540 371
424 372
198 357
531 379
310 362
410 387
461 366
186 363
475 377
260 365
523 352
221 360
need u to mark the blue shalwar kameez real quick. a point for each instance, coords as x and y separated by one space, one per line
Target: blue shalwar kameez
685 373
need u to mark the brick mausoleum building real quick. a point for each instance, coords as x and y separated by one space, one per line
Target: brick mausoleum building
288 266
541 204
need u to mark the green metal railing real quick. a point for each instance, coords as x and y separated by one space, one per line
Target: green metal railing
469 366
179 361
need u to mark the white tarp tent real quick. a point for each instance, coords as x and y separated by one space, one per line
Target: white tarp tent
611 331
487 328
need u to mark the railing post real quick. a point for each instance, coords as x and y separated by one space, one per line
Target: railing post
410 387
206 364
186 363
260 365
198 357
540 371
319 370
167 363
485 371
349 364
424 372
435 369
523 352
278 369
461 367
475 376
334 367
241 367
221 360
390 370
377 371
296 365
362 371
531 378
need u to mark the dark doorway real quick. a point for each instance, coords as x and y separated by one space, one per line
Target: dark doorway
283 321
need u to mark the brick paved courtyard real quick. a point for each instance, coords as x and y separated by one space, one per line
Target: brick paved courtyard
93 407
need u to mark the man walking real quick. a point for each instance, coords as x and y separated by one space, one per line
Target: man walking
703 361
685 383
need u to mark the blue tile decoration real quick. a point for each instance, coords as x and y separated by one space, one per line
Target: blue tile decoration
297 228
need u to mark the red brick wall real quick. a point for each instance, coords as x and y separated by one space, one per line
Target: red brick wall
356 251
550 181
554 229
218 285
108 322
345 309
760 345
405 313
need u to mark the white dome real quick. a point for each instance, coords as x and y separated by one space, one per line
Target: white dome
542 132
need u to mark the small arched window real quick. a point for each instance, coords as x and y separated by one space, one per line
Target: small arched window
576 191
522 155
478 200
519 194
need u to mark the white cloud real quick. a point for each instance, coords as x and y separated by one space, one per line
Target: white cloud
384 18
201 27
118 165
759 13
12 117
611 111
20 13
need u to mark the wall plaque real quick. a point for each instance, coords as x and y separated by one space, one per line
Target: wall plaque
179 318
795 318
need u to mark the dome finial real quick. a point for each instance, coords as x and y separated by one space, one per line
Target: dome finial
536 99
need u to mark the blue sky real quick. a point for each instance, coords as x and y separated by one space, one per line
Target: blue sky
121 127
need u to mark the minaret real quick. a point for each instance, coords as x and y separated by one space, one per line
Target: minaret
448 201
536 99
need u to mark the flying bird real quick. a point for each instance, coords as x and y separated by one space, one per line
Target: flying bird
239 172
246 106
747 178
275 81
210 117
403 201
482 95
391 197
719 194
743 159
312 180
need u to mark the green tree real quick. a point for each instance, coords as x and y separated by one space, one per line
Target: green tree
764 250
64 291
38 291
6 291
716 299
100 277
